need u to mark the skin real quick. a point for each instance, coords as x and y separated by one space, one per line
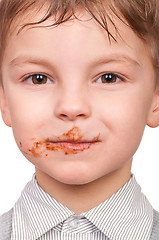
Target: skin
75 105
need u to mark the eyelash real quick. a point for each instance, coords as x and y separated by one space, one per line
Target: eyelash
108 76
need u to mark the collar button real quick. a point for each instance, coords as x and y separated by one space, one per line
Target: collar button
73 222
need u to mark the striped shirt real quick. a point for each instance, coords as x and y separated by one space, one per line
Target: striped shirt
126 215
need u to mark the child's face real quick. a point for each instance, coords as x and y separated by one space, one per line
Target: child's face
87 117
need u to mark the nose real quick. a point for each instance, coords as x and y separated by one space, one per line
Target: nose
72 106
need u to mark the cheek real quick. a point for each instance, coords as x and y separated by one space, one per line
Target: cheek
28 117
124 118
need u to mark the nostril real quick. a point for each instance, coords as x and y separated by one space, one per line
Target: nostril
71 116
80 115
63 115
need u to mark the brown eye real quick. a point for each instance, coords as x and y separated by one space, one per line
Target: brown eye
109 78
39 79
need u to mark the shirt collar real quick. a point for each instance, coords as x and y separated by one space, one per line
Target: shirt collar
29 217
114 217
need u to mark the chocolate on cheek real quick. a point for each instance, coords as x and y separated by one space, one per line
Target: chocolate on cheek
32 150
35 150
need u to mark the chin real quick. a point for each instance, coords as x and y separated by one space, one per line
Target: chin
76 182
75 179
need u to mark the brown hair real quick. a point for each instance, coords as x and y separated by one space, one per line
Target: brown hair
141 15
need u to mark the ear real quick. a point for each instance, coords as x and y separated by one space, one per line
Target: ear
153 116
4 107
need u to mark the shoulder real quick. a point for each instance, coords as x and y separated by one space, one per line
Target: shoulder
155 229
6 225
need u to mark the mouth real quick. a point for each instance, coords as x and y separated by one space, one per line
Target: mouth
69 145
71 142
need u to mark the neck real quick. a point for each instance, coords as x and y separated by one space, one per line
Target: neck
82 198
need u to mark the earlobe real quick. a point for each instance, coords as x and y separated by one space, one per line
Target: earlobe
4 108
153 116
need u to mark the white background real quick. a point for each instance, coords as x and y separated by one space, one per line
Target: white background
16 171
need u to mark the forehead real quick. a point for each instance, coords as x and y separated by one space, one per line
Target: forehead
74 36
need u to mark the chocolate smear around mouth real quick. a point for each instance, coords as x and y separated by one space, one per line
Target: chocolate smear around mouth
73 136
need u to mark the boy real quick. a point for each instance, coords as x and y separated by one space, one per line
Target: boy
79 82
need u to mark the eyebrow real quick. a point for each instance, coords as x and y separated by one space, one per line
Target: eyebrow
119 58
20 60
